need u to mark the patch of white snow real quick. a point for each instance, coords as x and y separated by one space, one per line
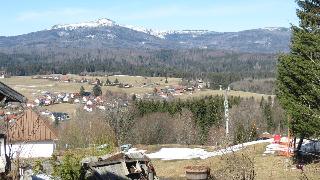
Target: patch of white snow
98 23
192 153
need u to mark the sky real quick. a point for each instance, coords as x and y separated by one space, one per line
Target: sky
24 16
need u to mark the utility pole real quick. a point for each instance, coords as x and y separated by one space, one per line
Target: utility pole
226 111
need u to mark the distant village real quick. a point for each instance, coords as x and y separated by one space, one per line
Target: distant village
89 102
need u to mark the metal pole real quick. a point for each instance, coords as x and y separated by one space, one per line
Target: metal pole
226 111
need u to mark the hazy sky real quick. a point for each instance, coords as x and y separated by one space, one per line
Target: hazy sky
23 16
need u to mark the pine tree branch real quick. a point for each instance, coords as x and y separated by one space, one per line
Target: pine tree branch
317 64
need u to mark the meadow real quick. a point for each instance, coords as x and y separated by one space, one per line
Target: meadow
33 88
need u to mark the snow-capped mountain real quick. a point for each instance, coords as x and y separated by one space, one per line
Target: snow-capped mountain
105 33
275 28
92 24
104 22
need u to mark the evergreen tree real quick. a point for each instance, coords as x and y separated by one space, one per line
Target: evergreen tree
239 135
108 81
298 79
116 81
97 90
267 114
82 91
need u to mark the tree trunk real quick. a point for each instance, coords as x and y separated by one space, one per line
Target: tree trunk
297 151
300 143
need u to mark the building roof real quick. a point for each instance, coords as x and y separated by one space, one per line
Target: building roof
11 94
31 127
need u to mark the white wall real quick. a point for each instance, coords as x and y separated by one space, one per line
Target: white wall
2 156
32 149
2 148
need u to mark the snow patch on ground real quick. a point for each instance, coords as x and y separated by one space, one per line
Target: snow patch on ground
272 148
308 146
193 153
275 147
111 36
90 36
272 28
135 150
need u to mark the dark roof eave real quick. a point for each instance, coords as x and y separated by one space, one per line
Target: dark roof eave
11 94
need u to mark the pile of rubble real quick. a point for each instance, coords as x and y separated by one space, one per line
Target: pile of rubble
130 165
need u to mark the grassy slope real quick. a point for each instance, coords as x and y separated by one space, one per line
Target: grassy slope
266 167
28 86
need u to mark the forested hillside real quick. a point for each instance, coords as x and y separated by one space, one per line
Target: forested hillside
216 66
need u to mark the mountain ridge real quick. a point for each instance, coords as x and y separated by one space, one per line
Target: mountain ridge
106 33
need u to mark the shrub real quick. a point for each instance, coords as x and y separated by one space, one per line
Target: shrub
37 167
68 169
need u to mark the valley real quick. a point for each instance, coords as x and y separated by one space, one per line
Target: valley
141 87
161 90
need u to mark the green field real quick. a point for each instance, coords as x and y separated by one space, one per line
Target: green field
33 88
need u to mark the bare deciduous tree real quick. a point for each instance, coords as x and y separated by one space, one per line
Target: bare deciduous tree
86 129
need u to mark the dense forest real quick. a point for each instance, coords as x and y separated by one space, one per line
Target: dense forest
215 66
207 111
